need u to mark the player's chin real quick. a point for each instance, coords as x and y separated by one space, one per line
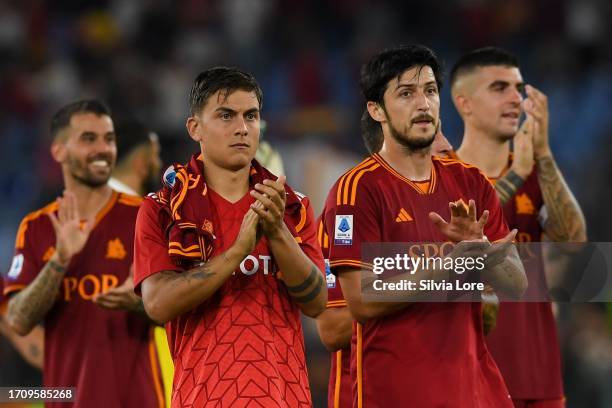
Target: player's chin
237 161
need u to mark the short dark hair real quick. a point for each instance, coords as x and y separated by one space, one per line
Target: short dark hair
227 79
371 132
62 117
482 57
391 63
131 134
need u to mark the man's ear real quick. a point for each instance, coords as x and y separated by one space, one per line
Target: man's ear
463 104
58 151
194 128
376 111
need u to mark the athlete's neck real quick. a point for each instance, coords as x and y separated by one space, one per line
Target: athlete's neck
232 185
488 154
413 164
90 200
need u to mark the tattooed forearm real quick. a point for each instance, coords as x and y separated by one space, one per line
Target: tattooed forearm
565 222
199 273
311 291
507 186
30 306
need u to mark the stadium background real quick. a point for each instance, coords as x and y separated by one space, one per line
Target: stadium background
141 56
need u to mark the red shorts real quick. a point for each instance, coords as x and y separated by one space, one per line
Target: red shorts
556 403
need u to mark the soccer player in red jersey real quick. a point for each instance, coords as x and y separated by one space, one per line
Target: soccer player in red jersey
415 354
335 323
487 89
71 267
227 255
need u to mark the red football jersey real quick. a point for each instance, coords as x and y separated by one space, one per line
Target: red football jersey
428 354
340 384
243 346
108 355
524 343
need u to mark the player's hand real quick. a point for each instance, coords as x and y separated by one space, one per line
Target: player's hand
523 161
70 234
463 225
122 297
536 105
249 234
270 205
499 251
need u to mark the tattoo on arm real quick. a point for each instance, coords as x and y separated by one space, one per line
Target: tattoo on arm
565 219
507 186
198 273
313 276
30 306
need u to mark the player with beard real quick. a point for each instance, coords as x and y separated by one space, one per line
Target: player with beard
416 354
487 88
70 257
335 324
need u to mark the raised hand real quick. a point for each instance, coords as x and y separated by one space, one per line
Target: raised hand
270 205
536 105
463 225
249 234
70 234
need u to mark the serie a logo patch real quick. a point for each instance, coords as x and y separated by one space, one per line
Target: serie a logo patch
343 231
16 267
329 276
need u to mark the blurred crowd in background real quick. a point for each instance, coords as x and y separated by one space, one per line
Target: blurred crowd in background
141 56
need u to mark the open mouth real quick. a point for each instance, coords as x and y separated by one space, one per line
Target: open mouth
101 164
422 120
511 115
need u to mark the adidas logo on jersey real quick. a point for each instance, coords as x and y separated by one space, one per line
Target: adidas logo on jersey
403 216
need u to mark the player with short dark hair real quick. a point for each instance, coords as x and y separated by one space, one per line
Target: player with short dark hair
410 354
335 324
487 88
68 255
226 254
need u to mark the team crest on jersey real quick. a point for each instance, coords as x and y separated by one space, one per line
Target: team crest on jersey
207 226
524 205
115 249
343 232
16 267
329 276
169 176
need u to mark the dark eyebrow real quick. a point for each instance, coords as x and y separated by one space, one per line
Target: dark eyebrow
87 133
412 86
499 83
252 110
223 109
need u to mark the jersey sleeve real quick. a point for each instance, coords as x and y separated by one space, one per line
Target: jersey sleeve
335 298
150 247
307 235
349 224
496 227
27 259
